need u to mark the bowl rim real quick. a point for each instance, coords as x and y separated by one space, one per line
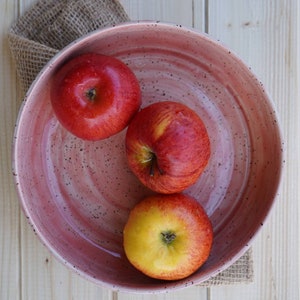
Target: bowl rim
68 50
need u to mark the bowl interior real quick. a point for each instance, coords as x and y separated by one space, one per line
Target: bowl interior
77 194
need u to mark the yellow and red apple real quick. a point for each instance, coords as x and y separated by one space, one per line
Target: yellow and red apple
167 146
168 237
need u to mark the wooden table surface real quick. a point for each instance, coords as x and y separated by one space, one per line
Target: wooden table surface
266 34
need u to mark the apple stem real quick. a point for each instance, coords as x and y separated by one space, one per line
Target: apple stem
91 94
168 237
154 164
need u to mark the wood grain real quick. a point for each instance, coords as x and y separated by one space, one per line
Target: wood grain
174 11
266 35
262 34
9 207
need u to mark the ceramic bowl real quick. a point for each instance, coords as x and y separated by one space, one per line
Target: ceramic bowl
77 194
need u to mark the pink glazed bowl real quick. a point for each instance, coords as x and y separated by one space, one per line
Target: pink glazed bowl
77 194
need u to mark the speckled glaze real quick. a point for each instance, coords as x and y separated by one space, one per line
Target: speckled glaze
77 194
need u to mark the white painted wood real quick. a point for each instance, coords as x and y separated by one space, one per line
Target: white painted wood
175 11
9 207
40 275
186 13
263 33
191 293
266 35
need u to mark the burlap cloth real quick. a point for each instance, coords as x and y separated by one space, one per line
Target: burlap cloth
47 27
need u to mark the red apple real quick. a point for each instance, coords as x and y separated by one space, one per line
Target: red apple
95 96
167 146
168 237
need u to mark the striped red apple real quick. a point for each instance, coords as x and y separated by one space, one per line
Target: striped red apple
167 146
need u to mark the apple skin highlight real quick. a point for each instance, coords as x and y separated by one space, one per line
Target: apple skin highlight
167 146
95 96
144 243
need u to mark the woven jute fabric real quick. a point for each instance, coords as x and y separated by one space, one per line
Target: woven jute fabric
50 25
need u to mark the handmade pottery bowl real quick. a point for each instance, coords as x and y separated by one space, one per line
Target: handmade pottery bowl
77 194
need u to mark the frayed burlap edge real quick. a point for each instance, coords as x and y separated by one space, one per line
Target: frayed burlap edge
28 63
50 25
239 272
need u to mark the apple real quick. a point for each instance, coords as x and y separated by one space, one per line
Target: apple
168 237
94 96
167 146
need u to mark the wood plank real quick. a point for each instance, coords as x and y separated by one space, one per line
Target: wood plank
9 205
259 33
173 11
186 13
42 276
264 34
190 293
